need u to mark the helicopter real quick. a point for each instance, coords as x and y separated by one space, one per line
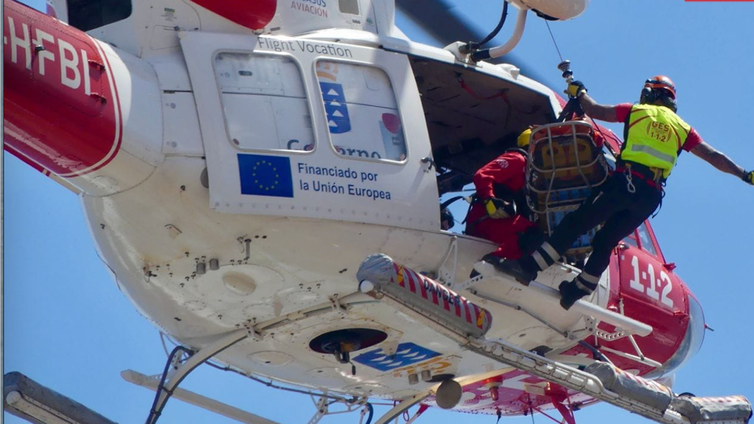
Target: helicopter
358 186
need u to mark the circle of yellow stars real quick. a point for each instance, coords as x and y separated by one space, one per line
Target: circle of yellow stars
256 180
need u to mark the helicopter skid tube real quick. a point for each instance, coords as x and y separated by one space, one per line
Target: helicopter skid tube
203 402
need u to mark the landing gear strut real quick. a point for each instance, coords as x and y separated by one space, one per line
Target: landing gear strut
181 362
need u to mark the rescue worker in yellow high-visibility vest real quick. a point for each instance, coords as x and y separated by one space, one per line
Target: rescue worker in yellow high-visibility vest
654 137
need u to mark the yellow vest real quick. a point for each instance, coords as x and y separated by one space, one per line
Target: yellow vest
654 137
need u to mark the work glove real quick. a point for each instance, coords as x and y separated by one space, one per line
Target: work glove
749 177
499 208
575 88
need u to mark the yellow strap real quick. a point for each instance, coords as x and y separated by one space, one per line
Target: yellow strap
490 206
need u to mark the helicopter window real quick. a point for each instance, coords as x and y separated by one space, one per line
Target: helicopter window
91 14
264 102
646 239
362 112
349 6
631 240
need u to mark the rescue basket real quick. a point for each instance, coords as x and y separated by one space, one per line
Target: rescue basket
565 165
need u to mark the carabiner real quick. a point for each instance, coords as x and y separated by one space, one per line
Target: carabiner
629 180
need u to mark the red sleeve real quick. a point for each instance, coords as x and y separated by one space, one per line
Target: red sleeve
621 111
507 168
693 140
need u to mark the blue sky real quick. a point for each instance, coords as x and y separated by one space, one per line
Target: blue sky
67 325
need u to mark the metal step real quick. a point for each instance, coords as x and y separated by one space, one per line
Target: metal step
645 397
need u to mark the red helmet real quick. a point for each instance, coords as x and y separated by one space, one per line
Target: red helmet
661 82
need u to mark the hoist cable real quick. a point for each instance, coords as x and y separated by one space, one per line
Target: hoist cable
553 41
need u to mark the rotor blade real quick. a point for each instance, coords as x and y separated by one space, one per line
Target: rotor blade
442 21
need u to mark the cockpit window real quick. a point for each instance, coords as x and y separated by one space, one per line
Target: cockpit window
362 111
631 240
646 239
264 102
91 14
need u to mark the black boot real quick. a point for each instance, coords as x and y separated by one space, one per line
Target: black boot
569 294
511 267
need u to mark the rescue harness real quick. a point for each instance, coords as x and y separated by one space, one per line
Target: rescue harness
516 199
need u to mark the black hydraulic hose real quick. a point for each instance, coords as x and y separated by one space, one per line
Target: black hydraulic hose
450 201
497 29
371 413
596 352
155 411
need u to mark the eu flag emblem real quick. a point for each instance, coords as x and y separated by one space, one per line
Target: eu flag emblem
407 354
263 175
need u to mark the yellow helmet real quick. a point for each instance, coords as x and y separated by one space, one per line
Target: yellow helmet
523 139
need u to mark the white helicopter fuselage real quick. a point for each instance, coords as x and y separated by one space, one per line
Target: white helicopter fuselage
289 263
247 174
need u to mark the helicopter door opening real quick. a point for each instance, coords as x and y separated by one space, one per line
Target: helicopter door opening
473 115
296 127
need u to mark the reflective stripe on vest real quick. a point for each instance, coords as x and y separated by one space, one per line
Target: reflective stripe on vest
654 137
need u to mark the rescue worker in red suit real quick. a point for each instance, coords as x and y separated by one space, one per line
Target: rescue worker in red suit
654 137
499 193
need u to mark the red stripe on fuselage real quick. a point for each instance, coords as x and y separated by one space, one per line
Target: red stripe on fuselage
251 14
61 109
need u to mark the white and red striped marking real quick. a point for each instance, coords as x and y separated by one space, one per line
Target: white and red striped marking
441 296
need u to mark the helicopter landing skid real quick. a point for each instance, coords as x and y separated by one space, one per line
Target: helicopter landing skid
322 402
153 383
181 362
403 406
